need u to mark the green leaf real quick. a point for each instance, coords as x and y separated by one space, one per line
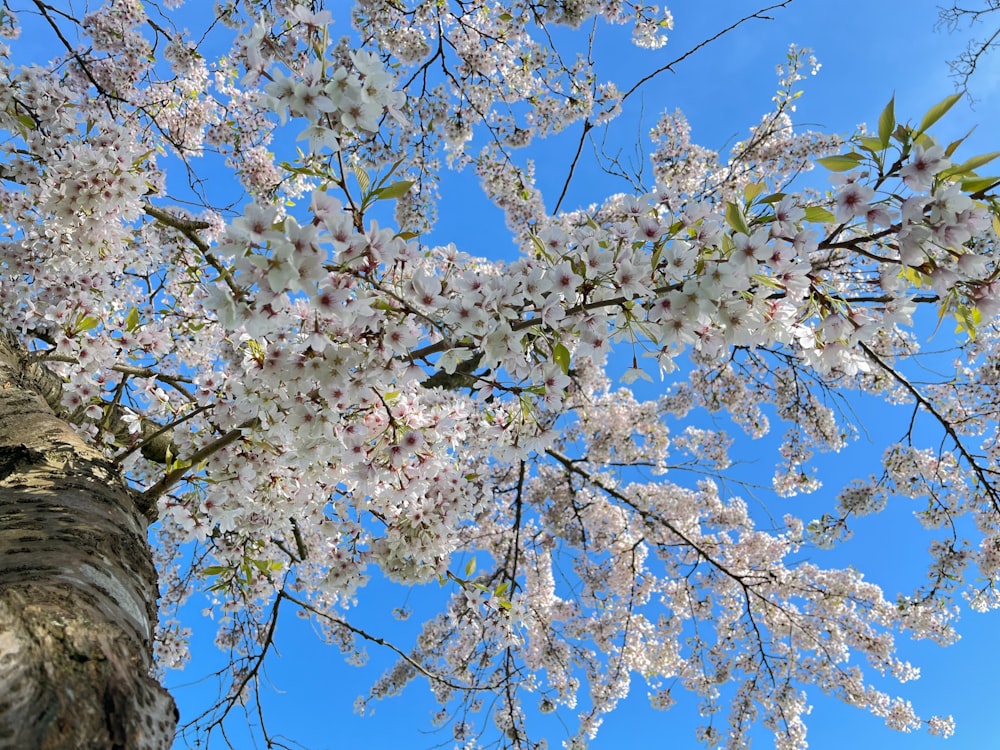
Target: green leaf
979 184
362 176
872 144
560 355
501 589
654 259
525 404
470 567
767 281
395 190
887 123
267 566
27 123
87 322
819 215
772 198
132 320
914 277
752 190
307 171
970 165
956 143
734 217
137 161
841 162
967 318
539 247
214 570
938 111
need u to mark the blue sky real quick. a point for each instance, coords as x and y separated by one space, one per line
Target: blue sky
870 51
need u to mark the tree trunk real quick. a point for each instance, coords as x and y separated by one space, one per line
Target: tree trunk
77 586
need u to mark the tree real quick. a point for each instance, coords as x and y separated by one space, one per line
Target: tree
297 388
955 17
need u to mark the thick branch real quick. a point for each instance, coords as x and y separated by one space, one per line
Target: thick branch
77 587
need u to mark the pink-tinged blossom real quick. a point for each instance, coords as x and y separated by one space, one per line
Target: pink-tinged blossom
750 249
787 215
853 201
923 165
878 216
628 278
564 280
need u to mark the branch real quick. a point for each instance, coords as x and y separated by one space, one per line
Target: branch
189 228
148 498
587 127
572 466
670 65
964 66
381 642
981 473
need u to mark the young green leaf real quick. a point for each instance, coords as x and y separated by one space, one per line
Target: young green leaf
874 145
752 190
654 260
734 218
938 111
132 320
560 355
956 143
395 190
363 179
970 165
86 323
887 122
841 162
819 215
979 184
772 198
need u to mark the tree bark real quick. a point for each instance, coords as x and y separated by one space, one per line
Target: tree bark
78 588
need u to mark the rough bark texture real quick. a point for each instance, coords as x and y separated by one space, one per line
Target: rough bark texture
77 587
